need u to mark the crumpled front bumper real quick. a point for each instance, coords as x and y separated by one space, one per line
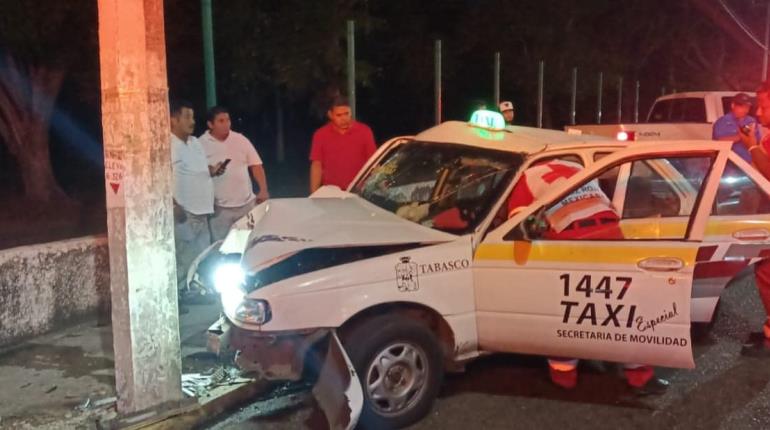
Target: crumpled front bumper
281 357
275 357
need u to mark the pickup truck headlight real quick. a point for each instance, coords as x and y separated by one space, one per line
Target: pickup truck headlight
253 311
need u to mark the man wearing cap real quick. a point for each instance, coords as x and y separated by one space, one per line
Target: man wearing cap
506 108
729 126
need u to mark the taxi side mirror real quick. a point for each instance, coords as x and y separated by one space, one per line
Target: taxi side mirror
532 228
535 225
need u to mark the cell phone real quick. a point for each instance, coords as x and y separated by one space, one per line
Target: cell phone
746 129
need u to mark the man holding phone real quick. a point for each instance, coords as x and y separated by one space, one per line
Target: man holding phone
738 121
233 161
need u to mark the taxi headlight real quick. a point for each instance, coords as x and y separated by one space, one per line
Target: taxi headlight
253 311
228 281
229 277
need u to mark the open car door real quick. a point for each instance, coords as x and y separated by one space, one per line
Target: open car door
622 300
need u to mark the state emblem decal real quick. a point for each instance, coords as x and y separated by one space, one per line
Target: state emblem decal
407 278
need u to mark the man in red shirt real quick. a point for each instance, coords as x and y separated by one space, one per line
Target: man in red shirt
340 148
760 343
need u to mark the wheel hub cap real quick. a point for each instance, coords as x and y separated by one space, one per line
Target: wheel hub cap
396 377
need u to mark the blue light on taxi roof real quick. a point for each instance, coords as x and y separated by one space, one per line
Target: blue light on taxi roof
487 119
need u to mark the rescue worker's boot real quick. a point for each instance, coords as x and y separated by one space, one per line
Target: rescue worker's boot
758 344
642 380
563 372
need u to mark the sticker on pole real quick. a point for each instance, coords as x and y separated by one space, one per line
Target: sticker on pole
114 169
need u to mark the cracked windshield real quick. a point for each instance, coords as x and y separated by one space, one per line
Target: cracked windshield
447 187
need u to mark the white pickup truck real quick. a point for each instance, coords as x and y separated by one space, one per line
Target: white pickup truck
672 117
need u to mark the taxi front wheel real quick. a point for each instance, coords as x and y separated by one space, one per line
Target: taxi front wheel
399 363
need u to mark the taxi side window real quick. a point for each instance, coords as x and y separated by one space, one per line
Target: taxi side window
642 201
664 187
502 213
655 189
609 178
738 194
572 158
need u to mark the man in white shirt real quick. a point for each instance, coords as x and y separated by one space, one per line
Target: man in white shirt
193 190
233 193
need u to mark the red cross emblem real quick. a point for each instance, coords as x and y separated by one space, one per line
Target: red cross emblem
558 171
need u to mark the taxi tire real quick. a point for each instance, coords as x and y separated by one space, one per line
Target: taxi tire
371 337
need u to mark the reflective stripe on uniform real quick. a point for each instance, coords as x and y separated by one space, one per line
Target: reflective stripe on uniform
563 365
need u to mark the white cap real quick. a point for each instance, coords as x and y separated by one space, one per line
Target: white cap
504 106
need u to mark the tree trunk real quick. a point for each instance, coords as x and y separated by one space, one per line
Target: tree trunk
27 97
34 163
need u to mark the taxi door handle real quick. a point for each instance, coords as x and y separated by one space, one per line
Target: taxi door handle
752 234
661 264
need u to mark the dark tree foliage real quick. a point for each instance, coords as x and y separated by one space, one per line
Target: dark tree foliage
289 56
297 49
43 45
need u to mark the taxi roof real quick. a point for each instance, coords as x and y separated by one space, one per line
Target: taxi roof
514 138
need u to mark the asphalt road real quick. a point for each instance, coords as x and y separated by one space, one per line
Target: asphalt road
725 391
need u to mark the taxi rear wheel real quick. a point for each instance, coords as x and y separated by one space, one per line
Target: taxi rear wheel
399 364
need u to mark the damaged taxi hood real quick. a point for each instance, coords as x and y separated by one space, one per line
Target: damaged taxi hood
281 227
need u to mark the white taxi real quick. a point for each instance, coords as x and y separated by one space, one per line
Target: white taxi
418 267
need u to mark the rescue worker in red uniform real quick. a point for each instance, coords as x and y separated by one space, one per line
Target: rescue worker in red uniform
760 342
586 213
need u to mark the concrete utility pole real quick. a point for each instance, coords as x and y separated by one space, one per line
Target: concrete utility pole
352 67
135 120
636 102
496 80
437 101
620 100
540 84
599 99
573 98
208 53
767 44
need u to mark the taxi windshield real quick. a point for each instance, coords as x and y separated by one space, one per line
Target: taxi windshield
448 187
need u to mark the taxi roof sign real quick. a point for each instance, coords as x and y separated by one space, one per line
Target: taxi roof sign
487 119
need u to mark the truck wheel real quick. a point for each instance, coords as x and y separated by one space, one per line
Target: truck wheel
399 364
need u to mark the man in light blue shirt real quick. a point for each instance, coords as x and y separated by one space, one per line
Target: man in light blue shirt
729 126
